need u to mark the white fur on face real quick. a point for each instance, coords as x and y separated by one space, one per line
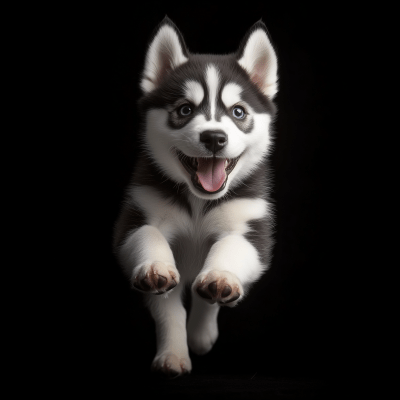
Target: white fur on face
165 53
194 92
212 79
257 144
231 94
161 139
259 60
194 148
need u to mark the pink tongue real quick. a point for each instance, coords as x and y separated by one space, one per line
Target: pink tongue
211 173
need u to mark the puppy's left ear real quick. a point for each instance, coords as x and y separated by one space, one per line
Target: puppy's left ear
257 56
167 51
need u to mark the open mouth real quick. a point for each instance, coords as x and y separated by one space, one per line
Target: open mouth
208 174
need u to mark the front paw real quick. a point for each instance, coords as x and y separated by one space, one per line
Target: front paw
155 277
222 287
171 365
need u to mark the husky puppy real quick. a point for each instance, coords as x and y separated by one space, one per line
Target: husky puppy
196 212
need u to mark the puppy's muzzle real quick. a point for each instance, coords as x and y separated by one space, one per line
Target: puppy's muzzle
214 140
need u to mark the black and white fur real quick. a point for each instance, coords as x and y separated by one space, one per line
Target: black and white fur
172 232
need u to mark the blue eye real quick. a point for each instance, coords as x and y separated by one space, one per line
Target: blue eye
238 112
185 110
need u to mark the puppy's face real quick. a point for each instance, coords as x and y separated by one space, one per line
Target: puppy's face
207 118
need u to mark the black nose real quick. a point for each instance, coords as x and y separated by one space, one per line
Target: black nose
214 140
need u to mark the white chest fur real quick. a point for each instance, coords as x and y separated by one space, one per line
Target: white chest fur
230 217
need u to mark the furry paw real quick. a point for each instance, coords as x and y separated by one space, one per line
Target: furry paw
156 277
222 287
171 365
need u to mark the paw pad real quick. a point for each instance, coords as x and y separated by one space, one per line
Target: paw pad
223 289
155 278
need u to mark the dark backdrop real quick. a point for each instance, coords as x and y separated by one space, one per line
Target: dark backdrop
294 322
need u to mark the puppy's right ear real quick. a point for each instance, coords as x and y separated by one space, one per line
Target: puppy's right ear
166 52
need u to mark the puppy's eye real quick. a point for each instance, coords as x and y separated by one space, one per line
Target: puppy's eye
238 112
185 110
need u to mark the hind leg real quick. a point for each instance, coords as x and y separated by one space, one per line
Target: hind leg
172 358
202 326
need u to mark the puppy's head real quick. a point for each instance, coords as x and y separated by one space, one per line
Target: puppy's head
207 117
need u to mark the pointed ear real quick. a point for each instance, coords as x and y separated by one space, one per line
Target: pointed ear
167 51
257 56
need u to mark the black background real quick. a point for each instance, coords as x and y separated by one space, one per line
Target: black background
294 326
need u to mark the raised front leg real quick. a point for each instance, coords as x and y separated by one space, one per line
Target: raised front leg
231 265
148 260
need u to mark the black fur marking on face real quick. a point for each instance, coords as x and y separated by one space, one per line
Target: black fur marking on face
246 124
178 121
172 91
